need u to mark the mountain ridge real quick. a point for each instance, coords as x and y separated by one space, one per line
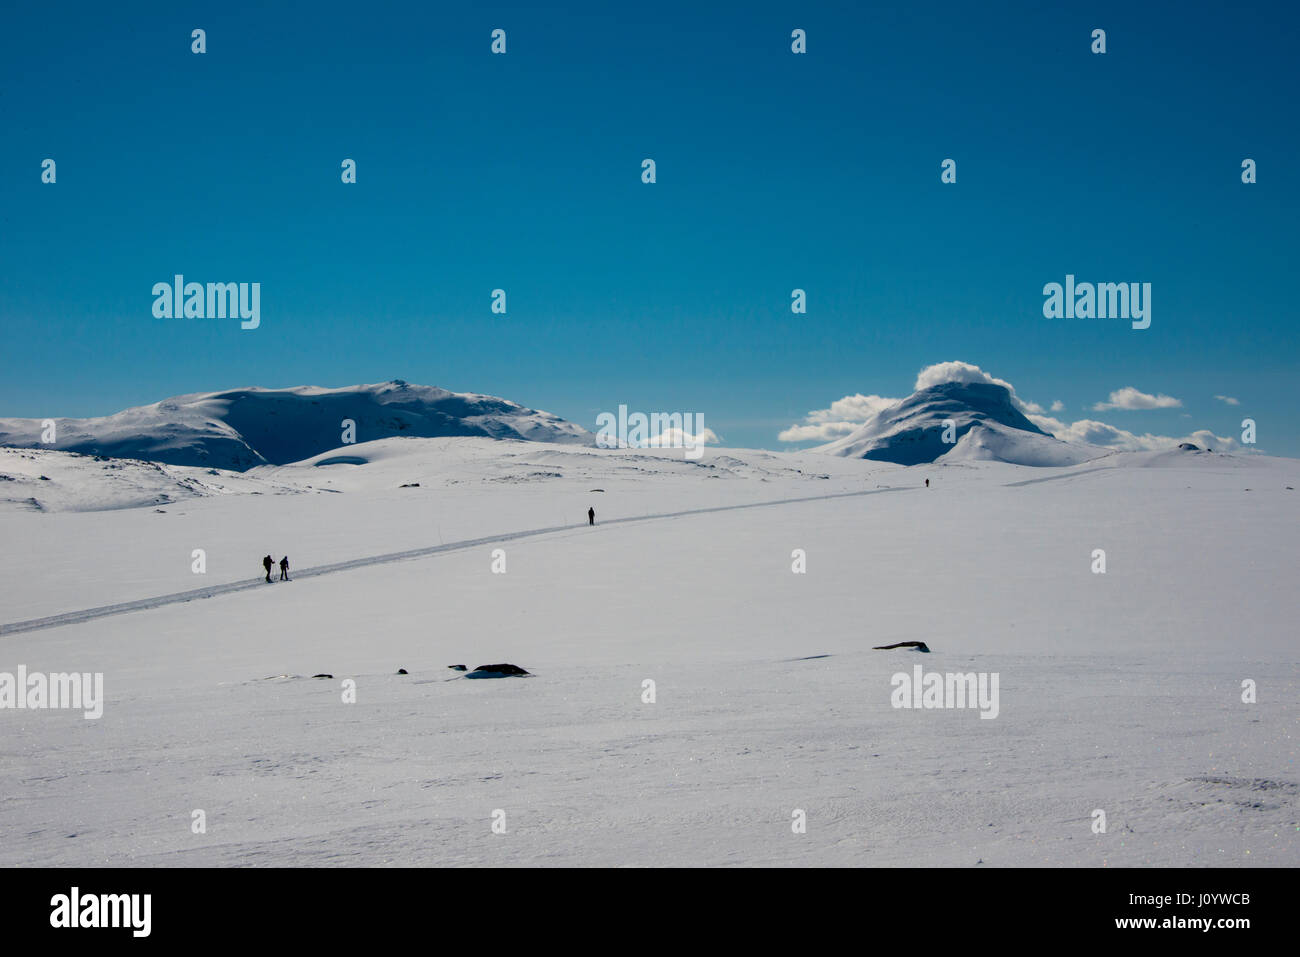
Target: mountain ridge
239 429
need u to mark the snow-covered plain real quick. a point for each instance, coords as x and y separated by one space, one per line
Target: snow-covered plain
1120 692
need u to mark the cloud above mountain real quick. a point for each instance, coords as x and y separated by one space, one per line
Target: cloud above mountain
675 438
848 414
839 419
1131 398
956 372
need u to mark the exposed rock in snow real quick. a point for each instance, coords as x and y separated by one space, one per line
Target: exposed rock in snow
497 671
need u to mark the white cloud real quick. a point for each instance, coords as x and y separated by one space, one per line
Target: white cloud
1228 399
841 418
957 371
1207 439
1048 424
1111 437
1130 398
674 438
851 408
825 432
1058 405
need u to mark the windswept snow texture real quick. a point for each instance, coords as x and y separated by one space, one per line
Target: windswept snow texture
911 431
1121 691
243 428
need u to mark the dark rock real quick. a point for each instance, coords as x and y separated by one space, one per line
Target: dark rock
918 645
504 670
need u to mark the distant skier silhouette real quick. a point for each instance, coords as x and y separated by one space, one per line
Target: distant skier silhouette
591 516
927 483
284 569
267 562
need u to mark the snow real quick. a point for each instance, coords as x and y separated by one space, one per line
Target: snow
241 428
937 421
992 443
1119 691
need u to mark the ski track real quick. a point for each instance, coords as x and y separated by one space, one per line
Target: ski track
212 591
1057 478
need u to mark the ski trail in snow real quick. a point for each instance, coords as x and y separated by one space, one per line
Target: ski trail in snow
212 591
1057 478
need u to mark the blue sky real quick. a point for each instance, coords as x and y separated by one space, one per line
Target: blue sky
775 171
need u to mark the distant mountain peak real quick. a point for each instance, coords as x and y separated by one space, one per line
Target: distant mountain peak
981 420
239 429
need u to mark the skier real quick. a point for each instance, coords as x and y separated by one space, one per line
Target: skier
591 516
267 562
284 569
927 483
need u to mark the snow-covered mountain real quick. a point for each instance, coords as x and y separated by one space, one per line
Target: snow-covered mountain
243 428
986 425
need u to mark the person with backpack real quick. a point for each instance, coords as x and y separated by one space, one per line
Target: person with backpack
284 569
267 562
